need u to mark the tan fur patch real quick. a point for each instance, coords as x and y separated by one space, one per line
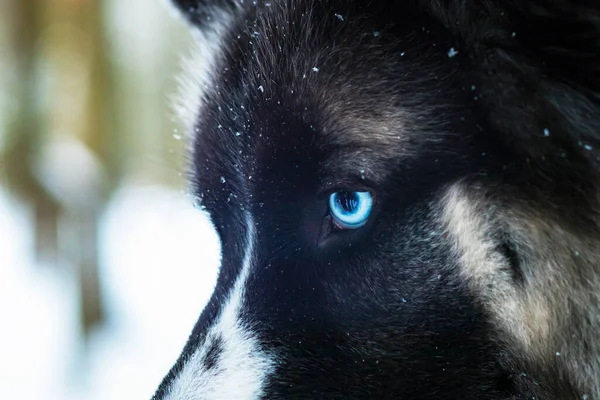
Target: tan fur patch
551 319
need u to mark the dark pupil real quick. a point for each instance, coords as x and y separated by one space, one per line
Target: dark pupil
348 201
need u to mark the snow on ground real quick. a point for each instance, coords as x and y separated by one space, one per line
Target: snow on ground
159 259
37 309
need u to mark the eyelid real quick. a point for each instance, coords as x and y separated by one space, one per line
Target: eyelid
351 183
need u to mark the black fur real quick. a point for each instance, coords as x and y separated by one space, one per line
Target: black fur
382 312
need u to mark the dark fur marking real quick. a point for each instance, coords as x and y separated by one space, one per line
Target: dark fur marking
214 352
508 249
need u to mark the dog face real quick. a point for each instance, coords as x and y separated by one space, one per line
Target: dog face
406 196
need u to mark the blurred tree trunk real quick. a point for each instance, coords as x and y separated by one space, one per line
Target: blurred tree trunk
39 38
25 129
99 134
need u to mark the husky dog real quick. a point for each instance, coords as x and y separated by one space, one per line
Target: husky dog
407 196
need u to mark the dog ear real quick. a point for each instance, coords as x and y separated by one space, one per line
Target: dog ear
205 13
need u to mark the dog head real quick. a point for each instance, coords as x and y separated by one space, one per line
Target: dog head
406 195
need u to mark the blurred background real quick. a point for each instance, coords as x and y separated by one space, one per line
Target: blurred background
104 263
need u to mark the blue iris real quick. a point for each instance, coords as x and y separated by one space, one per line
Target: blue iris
350 210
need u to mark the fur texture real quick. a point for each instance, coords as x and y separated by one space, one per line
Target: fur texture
475 125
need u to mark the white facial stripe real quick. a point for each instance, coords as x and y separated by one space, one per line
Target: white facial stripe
241 368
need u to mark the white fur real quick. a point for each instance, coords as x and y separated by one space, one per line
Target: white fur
241 368
198 71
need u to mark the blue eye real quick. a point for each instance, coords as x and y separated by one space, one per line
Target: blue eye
350 210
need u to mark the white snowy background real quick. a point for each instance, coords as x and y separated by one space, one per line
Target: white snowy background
158 266
158 257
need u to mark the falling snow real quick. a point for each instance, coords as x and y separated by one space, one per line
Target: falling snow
452 52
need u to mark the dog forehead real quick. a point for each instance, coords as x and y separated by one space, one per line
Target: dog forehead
271 138
362 90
